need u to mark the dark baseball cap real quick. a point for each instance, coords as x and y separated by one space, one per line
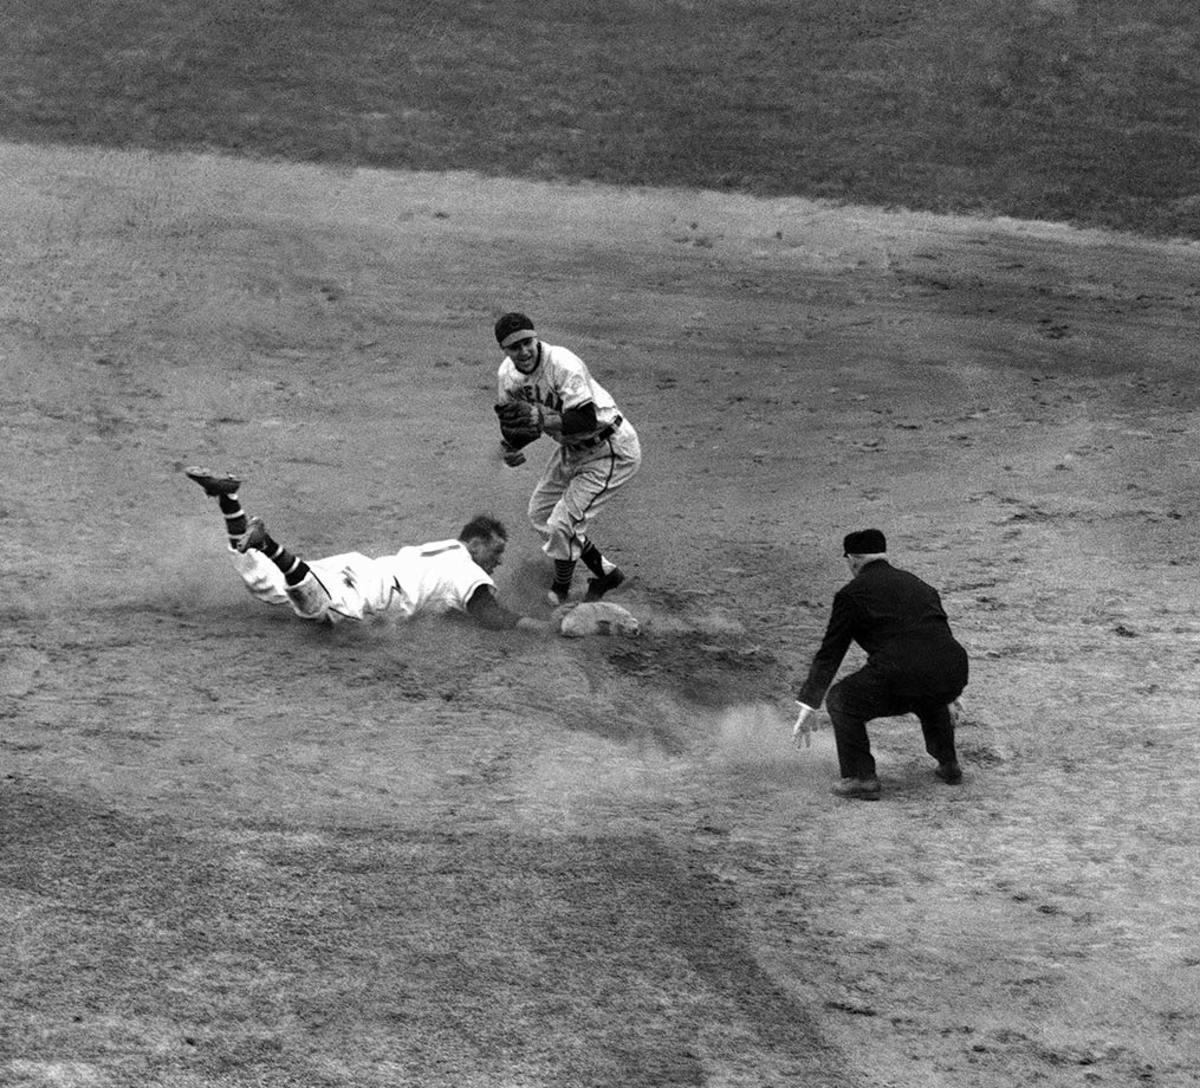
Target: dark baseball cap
510 325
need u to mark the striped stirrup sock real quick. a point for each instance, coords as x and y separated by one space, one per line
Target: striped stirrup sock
564 571
235 517
294 569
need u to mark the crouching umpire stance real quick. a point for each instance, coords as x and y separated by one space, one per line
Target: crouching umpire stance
544 389
914 665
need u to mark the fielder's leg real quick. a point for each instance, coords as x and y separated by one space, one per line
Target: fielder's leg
600 478
608 574
572 490
543 503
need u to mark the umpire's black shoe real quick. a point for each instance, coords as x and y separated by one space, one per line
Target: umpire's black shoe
950 773
597 587
857 789
214 483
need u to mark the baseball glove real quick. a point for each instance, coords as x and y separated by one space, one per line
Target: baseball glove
597 618
520 422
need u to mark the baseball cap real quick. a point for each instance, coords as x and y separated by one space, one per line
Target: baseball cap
513 327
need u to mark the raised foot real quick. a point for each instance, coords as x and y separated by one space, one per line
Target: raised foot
214 483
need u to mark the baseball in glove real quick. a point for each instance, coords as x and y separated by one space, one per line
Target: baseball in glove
520 423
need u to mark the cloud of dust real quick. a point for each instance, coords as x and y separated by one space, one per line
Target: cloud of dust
523 581
756 738
585 778
188 569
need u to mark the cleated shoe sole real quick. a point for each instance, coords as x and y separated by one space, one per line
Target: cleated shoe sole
214 483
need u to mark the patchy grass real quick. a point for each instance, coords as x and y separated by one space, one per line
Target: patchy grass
259 955
1053 109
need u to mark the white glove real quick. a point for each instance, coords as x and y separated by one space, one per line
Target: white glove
806 722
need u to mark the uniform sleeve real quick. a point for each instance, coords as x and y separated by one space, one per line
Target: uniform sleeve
469 579
570 378
839 633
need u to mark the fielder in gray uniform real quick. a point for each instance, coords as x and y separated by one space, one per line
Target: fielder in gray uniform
544 389
438 577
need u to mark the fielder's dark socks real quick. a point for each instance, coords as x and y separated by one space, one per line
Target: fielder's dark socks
295 570
564 571
235 517
593 559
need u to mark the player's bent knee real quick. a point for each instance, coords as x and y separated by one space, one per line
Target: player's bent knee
309 598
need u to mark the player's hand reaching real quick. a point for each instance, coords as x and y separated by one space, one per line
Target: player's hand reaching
806 723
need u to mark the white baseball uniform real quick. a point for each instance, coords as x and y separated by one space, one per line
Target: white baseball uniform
437 577
585 470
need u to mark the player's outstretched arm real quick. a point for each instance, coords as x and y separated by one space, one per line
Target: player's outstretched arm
486 610
573 620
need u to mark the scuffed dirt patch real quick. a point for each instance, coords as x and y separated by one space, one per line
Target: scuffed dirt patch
241 850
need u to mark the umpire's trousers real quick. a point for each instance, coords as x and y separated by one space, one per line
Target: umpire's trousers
856 699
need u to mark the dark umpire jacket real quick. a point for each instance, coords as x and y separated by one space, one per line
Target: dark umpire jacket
900 623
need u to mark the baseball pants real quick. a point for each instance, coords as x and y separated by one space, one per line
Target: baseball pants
575 485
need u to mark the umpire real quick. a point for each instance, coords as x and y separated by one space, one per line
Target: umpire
914 665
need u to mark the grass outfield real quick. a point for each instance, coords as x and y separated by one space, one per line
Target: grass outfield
1050 109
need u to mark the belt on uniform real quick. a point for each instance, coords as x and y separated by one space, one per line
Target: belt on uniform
596 439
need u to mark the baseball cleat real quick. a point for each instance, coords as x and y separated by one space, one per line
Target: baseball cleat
597 587
214 483
556 597
254 536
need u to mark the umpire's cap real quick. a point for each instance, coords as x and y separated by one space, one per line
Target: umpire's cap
864 542
513 327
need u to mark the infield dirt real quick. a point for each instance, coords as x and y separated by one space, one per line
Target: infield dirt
240 850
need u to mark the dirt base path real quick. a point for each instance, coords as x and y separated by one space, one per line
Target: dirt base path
641 880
